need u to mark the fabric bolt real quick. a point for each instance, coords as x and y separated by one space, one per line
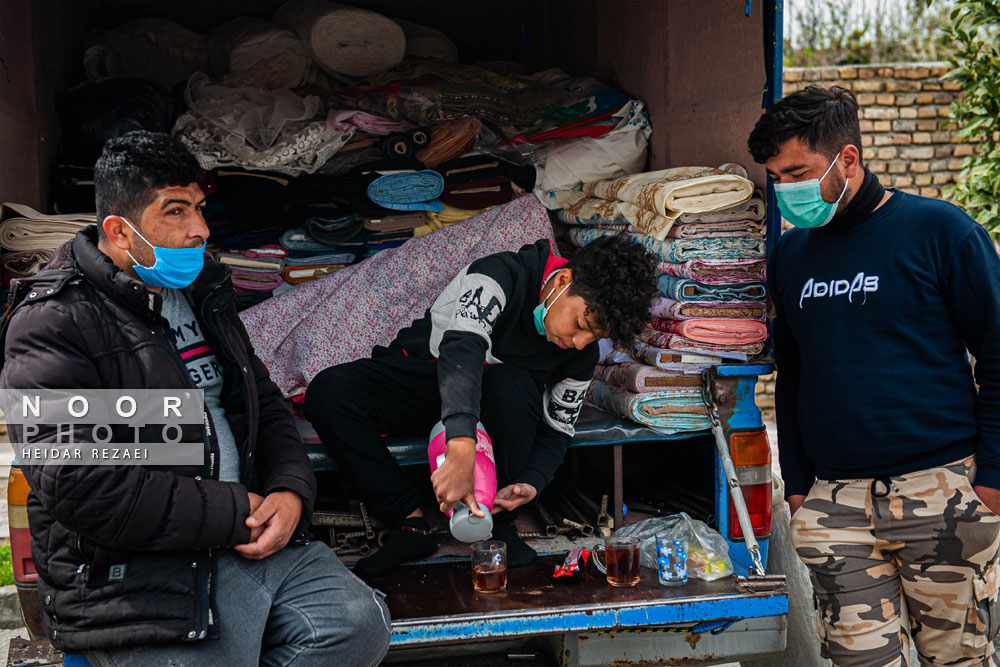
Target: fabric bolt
147 48
722 330
478 195
718 272
238 260
335 231
717 230
899 556
680 250
271 130
670 192
305 272
22 263
684 289
751 209
578 205
449 141
472 168
340 318
255 281
687 310
410 191
342 120
679 343
331 257
344 41
425 42
300 239
640 378
670 360
672 411
257 52
397 222
616 224
428 91
23 228
567 164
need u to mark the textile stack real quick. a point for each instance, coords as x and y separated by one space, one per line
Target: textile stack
28 237
706 227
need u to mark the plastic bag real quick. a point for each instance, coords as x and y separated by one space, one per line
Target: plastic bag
708 552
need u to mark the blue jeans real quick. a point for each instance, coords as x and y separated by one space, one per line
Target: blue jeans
299 607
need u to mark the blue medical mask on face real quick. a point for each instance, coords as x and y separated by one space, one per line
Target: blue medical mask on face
802 203
541 310
175 268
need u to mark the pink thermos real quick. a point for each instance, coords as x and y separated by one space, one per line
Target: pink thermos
466 526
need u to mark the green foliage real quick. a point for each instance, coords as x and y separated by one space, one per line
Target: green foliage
6 567
975 25
846 32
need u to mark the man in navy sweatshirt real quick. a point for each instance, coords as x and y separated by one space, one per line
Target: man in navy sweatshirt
890 451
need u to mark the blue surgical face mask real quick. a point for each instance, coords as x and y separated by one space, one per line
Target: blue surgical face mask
174 268
802 203
541 310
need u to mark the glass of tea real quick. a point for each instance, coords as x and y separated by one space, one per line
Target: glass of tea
489 566
622 560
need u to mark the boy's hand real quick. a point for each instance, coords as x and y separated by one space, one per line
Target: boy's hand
513 496
453 480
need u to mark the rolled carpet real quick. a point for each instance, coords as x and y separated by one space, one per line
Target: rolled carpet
409 191
344 41
640 378
672 309
685 289
718 271
670 411
718 330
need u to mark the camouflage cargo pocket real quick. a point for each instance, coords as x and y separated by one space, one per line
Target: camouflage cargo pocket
983 618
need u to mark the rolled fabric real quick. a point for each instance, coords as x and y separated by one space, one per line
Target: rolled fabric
425 42
718 272
688 310
258 52
344 41
680 250
146 48
24 263
670 411
295 275
616 224
716 330
449 141
717 230
256 282
478 194
679 343
639 378
311 259
671 192
448 216
24 228
255 264
344 119
300 239
335 231
684 289
671 360
751 209
396 223
409 191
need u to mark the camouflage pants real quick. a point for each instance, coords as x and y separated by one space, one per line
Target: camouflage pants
915 552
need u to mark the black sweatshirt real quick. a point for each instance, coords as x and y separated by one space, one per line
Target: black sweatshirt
485 316
873 322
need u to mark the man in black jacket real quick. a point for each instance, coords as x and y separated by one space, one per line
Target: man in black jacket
149 565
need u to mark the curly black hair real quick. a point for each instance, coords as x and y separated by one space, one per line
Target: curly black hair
133 167
825 119
616 277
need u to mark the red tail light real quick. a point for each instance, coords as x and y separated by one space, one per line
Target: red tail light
751 456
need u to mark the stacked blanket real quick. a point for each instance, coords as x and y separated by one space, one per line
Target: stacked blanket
669 411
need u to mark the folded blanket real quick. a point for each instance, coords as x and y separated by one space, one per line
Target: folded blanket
267 251
24 263
408 191
680 250
672 309
668 411
719 272
619 223
334 231
669 360
332 257
449 141
256 282
721 330
295 275
24 228
679 343
396 223
341 317
638 378
579 206
717 230
258 264
751 209
685 289
478 195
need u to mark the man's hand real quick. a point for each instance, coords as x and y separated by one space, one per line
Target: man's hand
990 497
513 496
795 502
255 501
453 481
272 523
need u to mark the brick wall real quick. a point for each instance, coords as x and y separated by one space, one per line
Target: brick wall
905 128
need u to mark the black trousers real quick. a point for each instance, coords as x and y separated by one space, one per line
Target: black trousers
353 405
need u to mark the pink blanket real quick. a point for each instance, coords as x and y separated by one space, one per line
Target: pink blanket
690 310
716 330
679 343
341 317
